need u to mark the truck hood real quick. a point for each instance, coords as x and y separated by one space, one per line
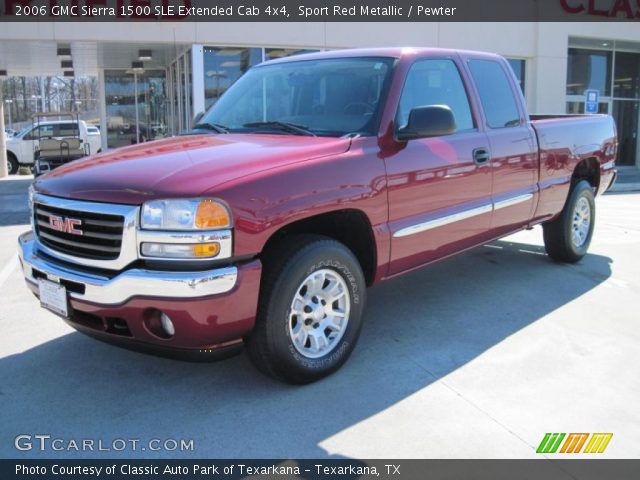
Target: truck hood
185 166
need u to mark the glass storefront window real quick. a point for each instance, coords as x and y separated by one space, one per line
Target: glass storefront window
626 83
626 113
518 66
121 103
152 105
273 53
223 66
121 108
589 70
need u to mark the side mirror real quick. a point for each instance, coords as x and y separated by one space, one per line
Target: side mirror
197 118
428 121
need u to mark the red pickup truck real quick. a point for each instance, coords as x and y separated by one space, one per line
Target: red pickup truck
312 178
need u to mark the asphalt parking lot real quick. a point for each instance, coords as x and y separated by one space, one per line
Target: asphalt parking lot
475 357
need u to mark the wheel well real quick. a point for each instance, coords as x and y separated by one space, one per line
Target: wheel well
589 170
349 227
12 155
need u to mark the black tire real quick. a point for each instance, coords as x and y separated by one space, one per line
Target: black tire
12 164
285 268
558 233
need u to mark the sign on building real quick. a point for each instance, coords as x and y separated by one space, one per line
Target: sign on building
591 101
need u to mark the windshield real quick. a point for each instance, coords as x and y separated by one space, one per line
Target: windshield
331 97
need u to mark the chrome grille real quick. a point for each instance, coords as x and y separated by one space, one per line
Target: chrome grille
101 236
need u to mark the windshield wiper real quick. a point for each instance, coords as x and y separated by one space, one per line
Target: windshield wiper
216 127
285 126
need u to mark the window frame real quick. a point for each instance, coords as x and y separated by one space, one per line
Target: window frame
465 86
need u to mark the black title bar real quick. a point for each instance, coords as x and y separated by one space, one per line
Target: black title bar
320 11
343 469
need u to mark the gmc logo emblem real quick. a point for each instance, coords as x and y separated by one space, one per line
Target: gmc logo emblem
65 225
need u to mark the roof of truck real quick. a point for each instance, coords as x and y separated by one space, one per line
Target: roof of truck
393 52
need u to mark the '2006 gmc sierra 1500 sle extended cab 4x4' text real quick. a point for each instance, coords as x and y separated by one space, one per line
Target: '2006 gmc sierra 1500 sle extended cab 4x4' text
312 178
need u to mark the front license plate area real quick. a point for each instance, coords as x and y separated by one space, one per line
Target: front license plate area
53 296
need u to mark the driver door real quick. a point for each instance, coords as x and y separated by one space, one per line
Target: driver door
30 143
439 187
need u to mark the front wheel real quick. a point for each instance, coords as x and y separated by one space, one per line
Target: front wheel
12 164
310 313
567 237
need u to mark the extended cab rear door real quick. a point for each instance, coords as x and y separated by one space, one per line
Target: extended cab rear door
439 187
512 141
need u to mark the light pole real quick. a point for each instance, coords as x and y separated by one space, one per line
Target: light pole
35 99
9 102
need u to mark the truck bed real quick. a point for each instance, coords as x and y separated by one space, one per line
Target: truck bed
564 141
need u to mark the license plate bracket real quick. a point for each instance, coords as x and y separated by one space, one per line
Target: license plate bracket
53 296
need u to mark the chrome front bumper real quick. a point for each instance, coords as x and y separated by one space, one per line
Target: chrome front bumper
130 283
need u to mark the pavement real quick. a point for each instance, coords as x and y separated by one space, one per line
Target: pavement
477 356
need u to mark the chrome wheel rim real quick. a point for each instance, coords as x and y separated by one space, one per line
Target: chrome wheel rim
319 313
581 222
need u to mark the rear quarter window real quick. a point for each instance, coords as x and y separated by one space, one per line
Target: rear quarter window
66 130
497 98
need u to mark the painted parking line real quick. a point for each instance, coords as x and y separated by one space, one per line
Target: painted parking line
8 269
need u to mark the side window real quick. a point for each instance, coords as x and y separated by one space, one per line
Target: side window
495 92
66 130
39 132
29 134
435 82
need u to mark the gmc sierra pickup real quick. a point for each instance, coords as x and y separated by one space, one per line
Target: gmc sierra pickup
312 178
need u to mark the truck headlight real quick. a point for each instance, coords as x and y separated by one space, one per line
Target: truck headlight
185 214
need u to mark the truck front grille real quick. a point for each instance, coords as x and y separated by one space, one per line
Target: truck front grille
79 233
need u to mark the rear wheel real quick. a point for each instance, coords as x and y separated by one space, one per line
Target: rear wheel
567 237
12 164
310 313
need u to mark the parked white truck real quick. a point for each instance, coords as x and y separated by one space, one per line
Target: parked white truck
21 148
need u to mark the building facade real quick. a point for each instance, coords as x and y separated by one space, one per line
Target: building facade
153 77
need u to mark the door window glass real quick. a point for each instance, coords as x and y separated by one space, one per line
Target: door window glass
626 83
589 70
627 116
496 96
435 82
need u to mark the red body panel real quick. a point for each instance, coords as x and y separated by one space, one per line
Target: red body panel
270 181
203 323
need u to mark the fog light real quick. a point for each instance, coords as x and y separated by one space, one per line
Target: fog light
167 324
181 250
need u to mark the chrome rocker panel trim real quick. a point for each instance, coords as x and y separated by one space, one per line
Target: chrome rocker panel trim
463 215
130 283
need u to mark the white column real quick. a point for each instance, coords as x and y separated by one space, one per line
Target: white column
3 148
102 93
550 69
197 79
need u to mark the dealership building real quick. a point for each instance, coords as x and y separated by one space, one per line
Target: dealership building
153 77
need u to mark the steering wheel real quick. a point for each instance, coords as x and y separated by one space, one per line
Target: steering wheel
358 108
